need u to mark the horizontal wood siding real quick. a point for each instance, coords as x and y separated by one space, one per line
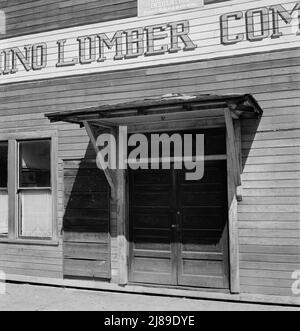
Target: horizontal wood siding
31 260
269 222
33 16
86 221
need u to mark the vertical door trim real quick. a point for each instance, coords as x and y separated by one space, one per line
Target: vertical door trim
175 244
122 212
233 220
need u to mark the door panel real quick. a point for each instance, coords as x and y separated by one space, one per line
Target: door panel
203 228
178 228
152 252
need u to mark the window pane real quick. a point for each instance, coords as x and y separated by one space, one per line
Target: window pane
36 214
3 213
3 164
35 163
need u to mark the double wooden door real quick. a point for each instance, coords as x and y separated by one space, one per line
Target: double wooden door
178 228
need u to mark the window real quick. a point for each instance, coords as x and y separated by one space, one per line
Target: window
3 189
34 189
26 188
35 164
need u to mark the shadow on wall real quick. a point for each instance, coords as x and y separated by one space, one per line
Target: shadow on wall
249 129
86 230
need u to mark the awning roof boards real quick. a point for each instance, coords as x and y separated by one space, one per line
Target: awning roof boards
174 107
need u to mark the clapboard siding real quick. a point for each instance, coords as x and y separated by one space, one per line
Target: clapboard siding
84 91
271 63
269 219
32 260
27 17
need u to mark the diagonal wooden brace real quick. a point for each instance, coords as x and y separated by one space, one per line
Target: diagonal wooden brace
109 174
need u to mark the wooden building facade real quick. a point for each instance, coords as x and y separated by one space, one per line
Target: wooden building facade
72 69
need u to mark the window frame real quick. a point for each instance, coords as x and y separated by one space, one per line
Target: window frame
21 189
5 142
13 139
5 189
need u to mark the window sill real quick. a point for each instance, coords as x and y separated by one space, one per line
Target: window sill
29 242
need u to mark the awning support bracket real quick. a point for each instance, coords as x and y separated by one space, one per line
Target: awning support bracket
110 176
233 147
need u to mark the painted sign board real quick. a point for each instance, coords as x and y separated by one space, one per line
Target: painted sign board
154 7
213 31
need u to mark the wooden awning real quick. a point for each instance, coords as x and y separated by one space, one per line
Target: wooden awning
156 112
170 112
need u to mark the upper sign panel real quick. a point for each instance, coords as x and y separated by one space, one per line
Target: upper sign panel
154 7
226 29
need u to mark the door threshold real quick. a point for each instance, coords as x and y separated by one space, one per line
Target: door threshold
184 288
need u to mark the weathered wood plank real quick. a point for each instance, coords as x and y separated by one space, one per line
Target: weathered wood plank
85 237
274 200
269 241
271 249
284 266
30 266
270 283
17 259
86 268
32 272
39 16
268 274
275 290
274 258
86 251
282 225
269 208
262 233
269 216
272 192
